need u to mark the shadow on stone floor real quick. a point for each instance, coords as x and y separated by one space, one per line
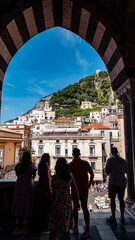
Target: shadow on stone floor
99 228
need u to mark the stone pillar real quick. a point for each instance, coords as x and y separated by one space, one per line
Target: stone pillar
128 150
126 93
132 111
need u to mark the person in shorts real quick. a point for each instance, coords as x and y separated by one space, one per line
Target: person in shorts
116 168
80 170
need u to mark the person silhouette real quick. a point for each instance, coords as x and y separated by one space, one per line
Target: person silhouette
80 170
116 168
44 191
61 207
24 189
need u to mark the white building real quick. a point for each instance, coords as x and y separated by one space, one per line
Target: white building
110 137
98 71
111 121
38 128
49 115
95 116
59 142
47 107
36 115
87 104
23 118
104 111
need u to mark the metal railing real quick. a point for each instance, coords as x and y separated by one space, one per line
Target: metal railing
64 134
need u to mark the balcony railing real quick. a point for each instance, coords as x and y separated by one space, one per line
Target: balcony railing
93 155
53 134
57 155
114 139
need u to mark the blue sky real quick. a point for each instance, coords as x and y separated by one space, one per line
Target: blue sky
47 63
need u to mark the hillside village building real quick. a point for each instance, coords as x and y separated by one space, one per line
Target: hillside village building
23 118
35 116
47 107
87 104
111 121
116 121
104 111
95 116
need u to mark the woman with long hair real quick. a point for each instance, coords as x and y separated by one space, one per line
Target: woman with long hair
61 207
44 191
24 189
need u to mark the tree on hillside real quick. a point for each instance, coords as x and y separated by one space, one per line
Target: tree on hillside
84 90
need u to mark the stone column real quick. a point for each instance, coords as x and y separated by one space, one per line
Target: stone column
132 111
126 93
128 150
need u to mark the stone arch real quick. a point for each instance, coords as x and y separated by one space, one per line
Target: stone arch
108 26
46 14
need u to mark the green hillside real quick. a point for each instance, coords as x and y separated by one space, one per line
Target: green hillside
94 88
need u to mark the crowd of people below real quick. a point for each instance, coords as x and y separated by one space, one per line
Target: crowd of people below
60 196
100 187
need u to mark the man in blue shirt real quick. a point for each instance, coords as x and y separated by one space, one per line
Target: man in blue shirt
116 167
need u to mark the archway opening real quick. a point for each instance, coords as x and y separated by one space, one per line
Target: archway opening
45 64
50 62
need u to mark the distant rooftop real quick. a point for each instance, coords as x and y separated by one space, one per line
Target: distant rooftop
95 126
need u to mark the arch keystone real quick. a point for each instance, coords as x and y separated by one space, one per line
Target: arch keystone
67 14
48 13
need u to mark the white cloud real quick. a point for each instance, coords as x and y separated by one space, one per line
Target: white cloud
43 81
51 85
68 38
18 99
36 89
6 108
82 61
9 84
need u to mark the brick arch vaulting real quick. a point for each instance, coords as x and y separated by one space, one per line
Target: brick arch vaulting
32 17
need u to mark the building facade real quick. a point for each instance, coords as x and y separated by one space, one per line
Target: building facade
95 116
87 104
10 142
25 130
60 143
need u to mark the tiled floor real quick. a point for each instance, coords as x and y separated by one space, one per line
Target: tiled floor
100 229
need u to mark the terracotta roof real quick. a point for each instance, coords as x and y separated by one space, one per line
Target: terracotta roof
95 126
